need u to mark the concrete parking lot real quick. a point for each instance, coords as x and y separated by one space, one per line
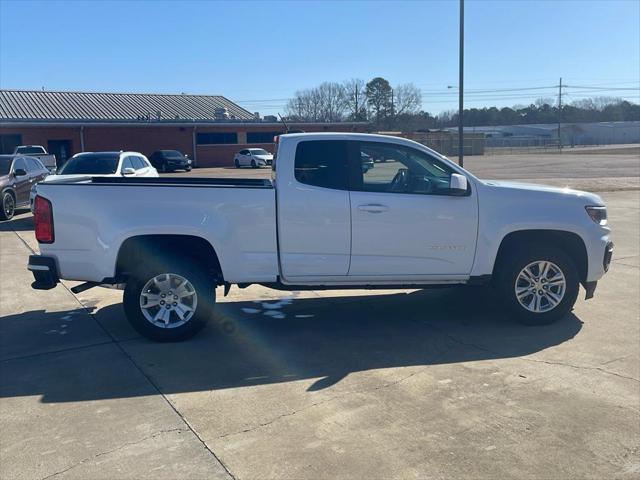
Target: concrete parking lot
348 384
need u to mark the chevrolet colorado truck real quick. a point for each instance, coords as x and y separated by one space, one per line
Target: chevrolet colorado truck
415 221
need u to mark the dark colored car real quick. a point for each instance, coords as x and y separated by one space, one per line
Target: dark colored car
367 162
18 173
169 160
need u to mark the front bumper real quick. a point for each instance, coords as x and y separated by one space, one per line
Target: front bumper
590 287
45 272
179 165
608 255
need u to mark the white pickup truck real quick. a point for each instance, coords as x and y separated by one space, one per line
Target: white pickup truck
47 159
415 221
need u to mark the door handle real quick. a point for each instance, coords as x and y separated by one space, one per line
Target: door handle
373 208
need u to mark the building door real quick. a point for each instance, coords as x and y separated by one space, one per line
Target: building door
61 149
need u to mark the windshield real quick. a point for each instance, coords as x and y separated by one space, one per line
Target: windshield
90 165
29 150
5 165
172 153
259 151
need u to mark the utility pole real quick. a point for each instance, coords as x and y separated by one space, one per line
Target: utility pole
461 89
392 106
559 114
357 110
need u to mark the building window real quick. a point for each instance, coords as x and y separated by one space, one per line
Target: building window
261 137
8 143
218 138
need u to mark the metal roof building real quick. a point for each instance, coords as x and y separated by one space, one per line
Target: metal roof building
35 105
208 128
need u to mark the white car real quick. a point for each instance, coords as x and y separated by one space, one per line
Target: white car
415 221
253 157
101 164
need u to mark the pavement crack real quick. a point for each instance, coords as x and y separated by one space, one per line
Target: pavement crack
307 407
120 447
581 367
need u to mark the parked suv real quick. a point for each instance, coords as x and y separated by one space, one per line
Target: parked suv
170 160
17 174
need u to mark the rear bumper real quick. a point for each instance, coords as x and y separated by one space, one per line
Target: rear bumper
45 272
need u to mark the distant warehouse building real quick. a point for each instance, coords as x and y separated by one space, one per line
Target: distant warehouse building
208 128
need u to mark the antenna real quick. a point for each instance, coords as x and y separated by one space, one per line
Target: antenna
286 127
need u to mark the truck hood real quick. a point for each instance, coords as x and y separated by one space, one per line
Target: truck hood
535 189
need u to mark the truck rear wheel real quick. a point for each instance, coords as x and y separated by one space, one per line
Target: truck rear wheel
169 303
539 284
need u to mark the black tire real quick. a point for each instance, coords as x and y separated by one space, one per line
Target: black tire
253 164
8 205
203 285
509 268
237 163
188 169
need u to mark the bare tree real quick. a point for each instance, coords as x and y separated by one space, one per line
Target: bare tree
407 99
356 101
540 102
324 103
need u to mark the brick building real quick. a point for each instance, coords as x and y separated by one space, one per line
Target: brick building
208 128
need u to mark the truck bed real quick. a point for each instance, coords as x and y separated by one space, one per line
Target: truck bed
93 216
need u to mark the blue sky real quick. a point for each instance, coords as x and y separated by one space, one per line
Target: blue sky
260 53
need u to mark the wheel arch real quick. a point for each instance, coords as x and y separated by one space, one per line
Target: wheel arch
571 243
144 249
9 190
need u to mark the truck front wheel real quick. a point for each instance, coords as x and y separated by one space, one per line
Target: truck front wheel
169 303
539 284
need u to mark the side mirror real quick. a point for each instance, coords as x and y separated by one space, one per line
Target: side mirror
458 185
128 171
19 172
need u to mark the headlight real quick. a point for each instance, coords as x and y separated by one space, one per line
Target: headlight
597 213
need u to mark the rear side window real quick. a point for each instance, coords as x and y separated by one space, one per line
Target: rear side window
322 163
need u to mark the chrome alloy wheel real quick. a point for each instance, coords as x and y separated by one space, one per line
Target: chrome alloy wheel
9 206
168 300
540 286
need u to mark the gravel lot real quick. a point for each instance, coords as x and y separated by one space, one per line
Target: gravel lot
349 384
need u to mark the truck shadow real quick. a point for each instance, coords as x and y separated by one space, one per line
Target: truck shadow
321 340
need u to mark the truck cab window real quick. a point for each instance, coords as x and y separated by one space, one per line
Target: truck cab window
397 169
322 163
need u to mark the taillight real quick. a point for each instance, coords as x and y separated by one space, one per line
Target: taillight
43 220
